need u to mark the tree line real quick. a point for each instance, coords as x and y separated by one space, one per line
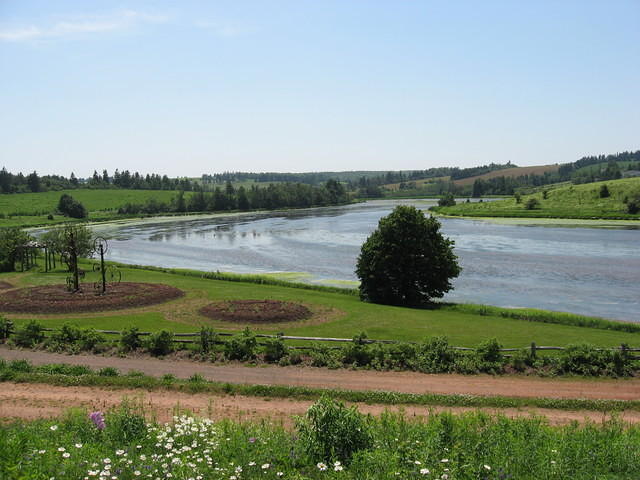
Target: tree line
280 195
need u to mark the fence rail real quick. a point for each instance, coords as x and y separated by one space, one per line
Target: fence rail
532 347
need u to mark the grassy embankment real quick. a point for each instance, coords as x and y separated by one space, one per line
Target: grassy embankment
573 201
337 315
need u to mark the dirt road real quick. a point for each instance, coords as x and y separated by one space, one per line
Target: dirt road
409 382
31 401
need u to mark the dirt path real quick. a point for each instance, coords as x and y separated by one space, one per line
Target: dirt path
31 401
409 382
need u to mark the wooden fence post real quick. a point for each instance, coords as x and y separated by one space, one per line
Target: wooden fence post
533 349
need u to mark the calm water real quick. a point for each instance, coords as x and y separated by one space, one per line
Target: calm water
583 270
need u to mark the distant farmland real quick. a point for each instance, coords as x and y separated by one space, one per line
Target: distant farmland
509 172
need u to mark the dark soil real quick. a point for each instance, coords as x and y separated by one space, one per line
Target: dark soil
51 299
5 285
256 311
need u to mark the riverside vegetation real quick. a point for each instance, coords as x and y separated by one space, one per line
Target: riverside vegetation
613 199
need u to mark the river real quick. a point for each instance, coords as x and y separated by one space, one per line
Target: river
591 271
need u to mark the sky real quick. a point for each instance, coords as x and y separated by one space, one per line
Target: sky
192 87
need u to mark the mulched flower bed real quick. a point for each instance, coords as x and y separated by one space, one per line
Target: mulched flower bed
5 285
51 299
256 311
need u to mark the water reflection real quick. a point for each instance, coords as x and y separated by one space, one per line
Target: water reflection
582 270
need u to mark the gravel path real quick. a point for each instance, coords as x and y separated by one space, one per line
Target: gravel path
409 382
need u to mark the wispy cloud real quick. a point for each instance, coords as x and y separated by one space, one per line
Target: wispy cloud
81 25
222 29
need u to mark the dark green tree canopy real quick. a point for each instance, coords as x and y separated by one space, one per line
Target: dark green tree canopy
406 260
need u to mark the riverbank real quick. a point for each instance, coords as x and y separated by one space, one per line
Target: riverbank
609 200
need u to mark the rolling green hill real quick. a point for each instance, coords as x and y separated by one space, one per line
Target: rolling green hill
573 201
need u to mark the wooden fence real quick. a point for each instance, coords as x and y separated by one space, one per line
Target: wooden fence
186 338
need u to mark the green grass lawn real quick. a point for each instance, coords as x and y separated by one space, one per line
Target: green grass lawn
573 201
349 315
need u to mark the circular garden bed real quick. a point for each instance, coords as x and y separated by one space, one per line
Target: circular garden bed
256 311
52 299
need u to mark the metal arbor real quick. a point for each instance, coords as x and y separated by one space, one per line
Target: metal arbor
108 274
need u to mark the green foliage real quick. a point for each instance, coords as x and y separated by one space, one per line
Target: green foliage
207 339
532 204
332 432
29 335
130 339
6 328
73 338
160 343
604 191
125 424
435 355
489 357
275 349
448 200
70 207
241 347
108 372
357 353
587 359
406 260
10 240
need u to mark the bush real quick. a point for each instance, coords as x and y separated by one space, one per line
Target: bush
6 328
275 349
532 204
586 359
130 339
160 343
489 357
71 337
208 338
396 356
332 432
604 191
633 205
125 424
435 355
108 372
29 335
447 200
241 347
70 207
323 356
357 352
406 260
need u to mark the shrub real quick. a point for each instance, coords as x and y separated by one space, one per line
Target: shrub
586 359
108 372
332 432
241 347
447 200
357 352
6 328
160 343
633 204
323 356
125 424
275 349
532 204
71 337
208 338
435 355
29 335
23 366
130 339
70 207
396 356
489 357
604 191
64 369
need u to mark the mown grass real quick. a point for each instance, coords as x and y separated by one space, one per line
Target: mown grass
322 446
346 316
574 201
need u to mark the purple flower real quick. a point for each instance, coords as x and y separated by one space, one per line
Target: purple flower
98 420
252 440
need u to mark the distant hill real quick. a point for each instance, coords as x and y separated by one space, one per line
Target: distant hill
513 172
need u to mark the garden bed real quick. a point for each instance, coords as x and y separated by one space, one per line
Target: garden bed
52 299
256 311
5 285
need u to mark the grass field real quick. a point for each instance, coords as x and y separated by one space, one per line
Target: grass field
574 201
337 315
509 172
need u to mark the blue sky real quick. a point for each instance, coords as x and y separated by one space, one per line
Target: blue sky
186 88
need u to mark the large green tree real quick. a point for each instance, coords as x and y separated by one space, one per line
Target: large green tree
406 260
